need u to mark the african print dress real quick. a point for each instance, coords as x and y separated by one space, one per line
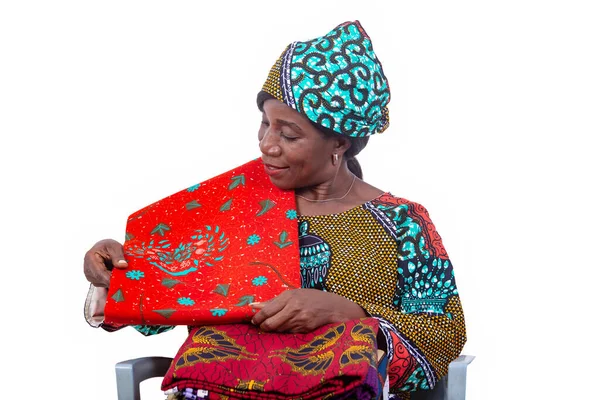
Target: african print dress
386 256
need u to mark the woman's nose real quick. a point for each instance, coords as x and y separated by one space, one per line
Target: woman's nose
269 145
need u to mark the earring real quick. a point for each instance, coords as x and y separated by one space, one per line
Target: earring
335 158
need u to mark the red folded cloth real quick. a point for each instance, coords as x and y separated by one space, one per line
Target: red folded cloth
239 361
201 255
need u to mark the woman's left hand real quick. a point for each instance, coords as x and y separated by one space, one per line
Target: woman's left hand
304 310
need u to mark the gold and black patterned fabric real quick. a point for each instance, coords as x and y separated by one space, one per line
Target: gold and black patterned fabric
387 257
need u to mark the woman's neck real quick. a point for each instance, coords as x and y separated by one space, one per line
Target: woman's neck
337 188
360 193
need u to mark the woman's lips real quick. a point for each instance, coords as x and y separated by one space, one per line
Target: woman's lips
273 170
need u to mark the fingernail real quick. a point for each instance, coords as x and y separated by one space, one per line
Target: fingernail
122 262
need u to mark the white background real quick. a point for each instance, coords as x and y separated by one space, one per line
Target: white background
108 106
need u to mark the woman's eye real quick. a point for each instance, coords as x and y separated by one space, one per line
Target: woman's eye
289 138
265 123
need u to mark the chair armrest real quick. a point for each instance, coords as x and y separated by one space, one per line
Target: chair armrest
131 373
457 377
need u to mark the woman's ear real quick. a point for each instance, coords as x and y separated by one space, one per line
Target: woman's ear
341 144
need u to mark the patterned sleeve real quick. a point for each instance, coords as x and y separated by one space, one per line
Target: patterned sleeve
146 330
424 325
149 330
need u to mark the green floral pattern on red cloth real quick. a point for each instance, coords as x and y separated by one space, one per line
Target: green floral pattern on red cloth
203 254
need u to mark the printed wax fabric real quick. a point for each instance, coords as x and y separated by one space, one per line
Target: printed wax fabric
239 361
335 80
201 255
387 256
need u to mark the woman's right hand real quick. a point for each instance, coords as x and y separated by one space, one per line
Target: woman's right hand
101 259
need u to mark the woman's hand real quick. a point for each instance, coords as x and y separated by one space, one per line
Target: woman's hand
304 310
100 260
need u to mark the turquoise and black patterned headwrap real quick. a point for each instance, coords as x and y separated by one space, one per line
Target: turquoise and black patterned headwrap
335 80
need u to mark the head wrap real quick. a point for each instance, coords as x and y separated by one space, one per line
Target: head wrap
335 80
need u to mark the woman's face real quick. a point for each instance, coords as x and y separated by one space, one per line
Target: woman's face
295 154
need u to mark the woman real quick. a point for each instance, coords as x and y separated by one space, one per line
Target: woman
381 256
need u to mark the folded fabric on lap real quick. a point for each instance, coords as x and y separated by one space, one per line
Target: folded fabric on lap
242 362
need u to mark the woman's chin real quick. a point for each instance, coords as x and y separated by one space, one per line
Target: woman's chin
282 183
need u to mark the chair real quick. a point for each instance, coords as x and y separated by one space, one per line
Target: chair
131 373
